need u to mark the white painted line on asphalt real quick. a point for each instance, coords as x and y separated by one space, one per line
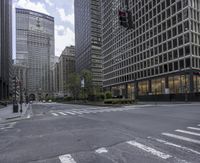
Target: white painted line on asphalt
71 113
174 145
66 159
194 128
62 113
198 125
54 114
76 112
149 150
101 150
188 132
182 138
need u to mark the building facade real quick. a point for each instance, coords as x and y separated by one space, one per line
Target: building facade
159 57
35 51
88 38
62 70
5 48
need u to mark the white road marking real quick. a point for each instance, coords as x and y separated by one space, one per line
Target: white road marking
181 138
71 113
198 125
174 145
66 159
194 128
54 114
188 132
7 125
101 150
62 113
77 112
149 150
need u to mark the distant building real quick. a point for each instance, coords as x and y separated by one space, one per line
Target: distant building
159 57
62 70
35 51
88 38
5 48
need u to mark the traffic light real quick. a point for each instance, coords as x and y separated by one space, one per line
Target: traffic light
125 19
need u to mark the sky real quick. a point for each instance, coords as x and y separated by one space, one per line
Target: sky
63 13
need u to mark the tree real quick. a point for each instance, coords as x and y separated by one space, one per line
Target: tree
74 85
88 84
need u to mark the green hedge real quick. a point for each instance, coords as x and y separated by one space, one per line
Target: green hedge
119 101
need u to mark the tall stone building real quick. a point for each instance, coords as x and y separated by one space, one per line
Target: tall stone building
35 51
159 57
5 48
62 70
88 38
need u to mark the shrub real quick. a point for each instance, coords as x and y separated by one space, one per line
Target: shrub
68 98
108 95
118 101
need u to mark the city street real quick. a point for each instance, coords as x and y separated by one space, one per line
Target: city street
64 133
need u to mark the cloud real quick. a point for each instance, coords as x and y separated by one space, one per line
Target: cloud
48 2
64 39
35 6
66 18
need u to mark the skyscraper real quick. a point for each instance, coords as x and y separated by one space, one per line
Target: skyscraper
35 50
5 47
66 66
88 38
159 56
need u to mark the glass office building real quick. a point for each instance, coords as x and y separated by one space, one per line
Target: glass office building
35 50
5 48
88 38
159 58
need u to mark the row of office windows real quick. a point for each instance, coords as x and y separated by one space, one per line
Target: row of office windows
129 74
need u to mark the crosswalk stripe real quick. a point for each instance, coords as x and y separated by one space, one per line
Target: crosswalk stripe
62 113
149 150
194 128
188 132
174 145
66 159
182 138
71 113
54 114
76 112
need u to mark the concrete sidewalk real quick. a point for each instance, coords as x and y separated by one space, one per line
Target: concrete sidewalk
6 113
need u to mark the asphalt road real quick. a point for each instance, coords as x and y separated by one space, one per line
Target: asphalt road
58 133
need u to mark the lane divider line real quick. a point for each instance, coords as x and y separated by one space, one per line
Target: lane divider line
149 150
182 138
188 132
174 145
66 159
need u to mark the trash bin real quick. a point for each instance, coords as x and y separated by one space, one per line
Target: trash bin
15 108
